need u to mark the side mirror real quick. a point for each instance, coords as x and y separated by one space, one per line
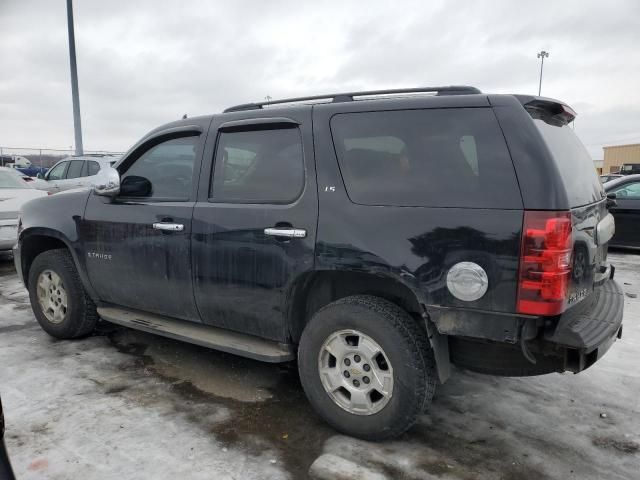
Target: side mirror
611 200
106 183
40 176
134 186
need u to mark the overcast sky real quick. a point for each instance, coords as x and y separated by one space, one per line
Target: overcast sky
144 63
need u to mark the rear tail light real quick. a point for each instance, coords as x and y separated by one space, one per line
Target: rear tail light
545 262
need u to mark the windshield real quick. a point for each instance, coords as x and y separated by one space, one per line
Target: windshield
11 180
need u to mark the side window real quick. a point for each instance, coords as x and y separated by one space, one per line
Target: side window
75 169
433 158
57 172
168 167
630 191
92 168
265 166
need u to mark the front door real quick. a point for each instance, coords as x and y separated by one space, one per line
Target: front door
56 175
137 245
627 215
254 224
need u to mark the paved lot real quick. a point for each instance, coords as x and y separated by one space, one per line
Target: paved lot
124 404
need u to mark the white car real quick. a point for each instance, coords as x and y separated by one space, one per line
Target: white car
32 181
74 172
14 192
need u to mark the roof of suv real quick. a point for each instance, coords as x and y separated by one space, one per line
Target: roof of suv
361 95
460 96
449 96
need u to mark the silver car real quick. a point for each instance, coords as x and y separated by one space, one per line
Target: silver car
14 192
74 172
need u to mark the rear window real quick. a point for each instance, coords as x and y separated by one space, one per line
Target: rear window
574 162
92 168
436 158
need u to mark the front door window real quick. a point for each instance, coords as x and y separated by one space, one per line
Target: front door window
168 167
57 172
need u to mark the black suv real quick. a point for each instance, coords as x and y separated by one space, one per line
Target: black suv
378 237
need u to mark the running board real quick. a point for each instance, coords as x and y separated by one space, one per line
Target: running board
206 336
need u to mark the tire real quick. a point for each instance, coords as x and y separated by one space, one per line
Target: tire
79 318
405 351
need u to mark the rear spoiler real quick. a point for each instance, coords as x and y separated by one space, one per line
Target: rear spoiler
548 109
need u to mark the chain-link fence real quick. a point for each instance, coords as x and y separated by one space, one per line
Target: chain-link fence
41 157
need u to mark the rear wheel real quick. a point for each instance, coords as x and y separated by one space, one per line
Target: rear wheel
58 299
366 367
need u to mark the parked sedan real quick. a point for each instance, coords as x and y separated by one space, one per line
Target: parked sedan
14 192
627 210
74 172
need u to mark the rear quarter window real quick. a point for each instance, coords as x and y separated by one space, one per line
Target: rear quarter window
574 163
434 158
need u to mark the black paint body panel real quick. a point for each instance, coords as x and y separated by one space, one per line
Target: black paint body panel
415 246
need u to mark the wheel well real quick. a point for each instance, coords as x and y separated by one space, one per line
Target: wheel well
318 289
34 245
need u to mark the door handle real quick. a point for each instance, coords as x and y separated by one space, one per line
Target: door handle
286 232
168 227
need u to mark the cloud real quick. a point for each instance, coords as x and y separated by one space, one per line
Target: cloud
147 62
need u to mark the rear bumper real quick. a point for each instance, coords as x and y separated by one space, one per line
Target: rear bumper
571 342
588 330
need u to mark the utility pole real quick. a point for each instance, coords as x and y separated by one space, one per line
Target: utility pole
77 126
541 56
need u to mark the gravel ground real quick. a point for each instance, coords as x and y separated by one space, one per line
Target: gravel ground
124 404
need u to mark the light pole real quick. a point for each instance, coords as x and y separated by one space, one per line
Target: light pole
541 56
77 126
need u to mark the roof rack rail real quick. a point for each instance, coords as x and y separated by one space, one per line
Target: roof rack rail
351 96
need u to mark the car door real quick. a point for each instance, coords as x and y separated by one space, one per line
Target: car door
73 175
54 176
627 214
92 169
137 245
254 224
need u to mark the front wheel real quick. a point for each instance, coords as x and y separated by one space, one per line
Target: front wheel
58 299
366 367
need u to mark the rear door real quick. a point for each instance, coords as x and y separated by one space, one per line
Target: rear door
56 175
627 214
254 224
73 176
